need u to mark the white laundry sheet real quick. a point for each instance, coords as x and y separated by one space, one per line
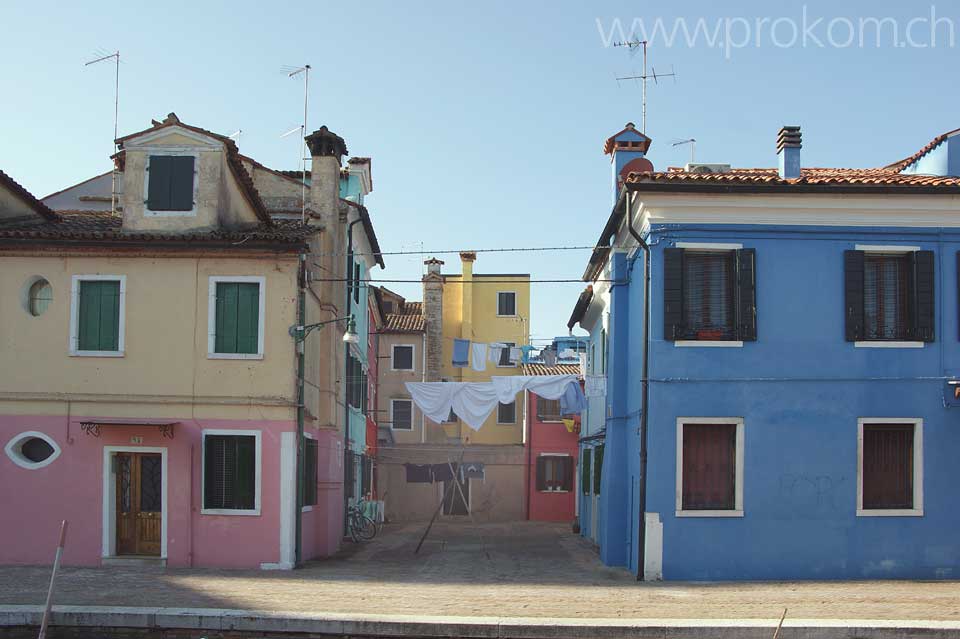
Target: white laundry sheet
473 402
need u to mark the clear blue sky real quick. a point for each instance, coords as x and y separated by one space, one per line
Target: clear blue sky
485 122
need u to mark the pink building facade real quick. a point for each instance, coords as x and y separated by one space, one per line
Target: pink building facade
551 453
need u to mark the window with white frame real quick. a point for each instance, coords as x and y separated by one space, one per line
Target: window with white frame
171 184
236 317
401 414
507 304
97 305
709 467
402 357
231 472
890 467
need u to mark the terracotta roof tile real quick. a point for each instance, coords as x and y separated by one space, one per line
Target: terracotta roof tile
543 369
101 228
821 177
409 319
14 187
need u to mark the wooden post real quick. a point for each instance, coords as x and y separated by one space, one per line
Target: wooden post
53 578
776 633
439 507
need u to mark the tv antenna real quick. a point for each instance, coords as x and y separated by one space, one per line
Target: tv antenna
115 56
293 72
693 148
633 46
235 136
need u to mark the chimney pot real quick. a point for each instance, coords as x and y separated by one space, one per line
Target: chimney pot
324 142
789 143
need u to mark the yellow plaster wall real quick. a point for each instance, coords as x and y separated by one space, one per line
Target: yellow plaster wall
165 359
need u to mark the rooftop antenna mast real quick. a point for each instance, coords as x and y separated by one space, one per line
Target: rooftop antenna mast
305 70
115 56
633 46
693 148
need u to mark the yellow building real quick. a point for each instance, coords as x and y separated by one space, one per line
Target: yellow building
417 343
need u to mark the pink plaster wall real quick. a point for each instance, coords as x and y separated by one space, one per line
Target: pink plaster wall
323 523
549 437
34 501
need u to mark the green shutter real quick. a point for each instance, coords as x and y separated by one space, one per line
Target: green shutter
99 316
598 468
585 476
181 183
237 318
158 180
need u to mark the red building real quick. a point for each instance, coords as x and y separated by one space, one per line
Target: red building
551 453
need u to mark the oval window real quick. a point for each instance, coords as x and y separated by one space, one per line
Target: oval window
32 450
40 296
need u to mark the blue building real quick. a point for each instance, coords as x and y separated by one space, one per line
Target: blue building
801 340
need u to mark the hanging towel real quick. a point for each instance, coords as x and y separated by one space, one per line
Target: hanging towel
526 350
473 402
568 353
419 474
479 362
569 423
461 353
516 355
572 402
545 386
496 352
435 399
442 472
549 357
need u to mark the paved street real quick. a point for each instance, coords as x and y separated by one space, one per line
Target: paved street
506 570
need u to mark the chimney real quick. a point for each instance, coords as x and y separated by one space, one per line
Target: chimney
788 149
433 318
627 150
467 258
326 150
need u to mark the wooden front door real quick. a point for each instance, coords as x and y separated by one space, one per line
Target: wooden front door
139 481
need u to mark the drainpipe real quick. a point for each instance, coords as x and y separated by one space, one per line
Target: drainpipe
300 346
346 358
645 394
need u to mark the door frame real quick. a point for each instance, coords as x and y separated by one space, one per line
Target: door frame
109 527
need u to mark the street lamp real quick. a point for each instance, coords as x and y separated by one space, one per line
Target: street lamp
299 333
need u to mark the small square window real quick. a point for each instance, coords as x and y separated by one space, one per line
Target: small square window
554 473
890 468
886 297
507 413
506 304
97 315
401 414
709 295
548 410
402 358
170 180
230 468
710 467
236 319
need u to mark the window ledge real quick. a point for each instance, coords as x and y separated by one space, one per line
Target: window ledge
234 355
306 509
96 353
150 213
227 511
879 344
709 343
709 513
893 512
548 492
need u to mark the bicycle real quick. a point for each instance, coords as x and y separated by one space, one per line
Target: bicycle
360 527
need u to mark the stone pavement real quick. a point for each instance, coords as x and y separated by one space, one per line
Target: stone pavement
521 570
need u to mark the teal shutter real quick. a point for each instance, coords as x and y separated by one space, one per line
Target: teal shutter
237 318
181 183
99 316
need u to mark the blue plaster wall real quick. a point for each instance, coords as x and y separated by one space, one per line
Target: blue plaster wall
800 389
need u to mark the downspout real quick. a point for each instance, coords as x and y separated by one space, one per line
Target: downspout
301 366
346 359
645 393
528 428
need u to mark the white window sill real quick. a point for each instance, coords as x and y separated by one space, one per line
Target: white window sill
506 423
709 513
306 509
234 355
402 430
548 492
878 344
96 353
227 511
401 370
709 343
149 213
909 512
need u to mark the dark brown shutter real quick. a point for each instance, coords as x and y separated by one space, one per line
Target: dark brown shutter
672 293
541 473
853 294
709 467
181 183
567 473
158 190
923 296
747 295
888 466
